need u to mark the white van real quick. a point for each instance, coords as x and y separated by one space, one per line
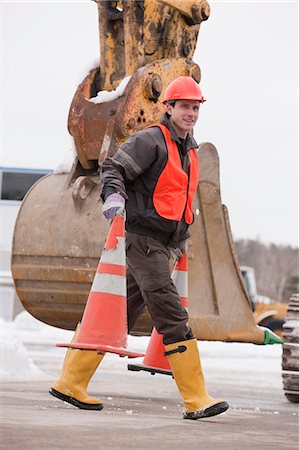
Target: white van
14 183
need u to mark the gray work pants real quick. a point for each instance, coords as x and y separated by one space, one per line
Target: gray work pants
149 284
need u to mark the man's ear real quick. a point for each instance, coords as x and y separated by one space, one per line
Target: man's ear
169 109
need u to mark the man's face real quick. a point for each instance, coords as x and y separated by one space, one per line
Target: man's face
184 115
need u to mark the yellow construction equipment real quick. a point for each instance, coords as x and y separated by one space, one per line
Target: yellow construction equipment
60 232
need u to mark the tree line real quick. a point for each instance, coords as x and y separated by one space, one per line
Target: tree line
276 267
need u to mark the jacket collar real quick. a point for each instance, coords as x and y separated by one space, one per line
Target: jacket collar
190 141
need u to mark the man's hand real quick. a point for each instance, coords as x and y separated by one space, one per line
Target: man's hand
114 205
177 253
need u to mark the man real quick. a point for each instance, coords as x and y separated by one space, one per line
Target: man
154 176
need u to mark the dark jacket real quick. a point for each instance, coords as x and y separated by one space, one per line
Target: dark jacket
134 171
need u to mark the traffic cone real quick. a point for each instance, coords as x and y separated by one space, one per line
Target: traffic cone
180 278
154 360
104 322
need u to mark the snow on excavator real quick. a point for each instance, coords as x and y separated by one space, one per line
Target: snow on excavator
60 232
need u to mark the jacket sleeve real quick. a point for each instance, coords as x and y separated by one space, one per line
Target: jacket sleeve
133 157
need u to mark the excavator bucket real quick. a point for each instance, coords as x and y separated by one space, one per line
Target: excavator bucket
219 306
60 231
58 238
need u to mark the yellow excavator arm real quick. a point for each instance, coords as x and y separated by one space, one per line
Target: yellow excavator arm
150 41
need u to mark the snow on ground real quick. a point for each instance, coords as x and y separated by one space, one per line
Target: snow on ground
26 338
16 361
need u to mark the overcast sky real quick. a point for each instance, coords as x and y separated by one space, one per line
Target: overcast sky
247 52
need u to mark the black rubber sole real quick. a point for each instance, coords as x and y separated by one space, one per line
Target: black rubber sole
151 370
207 412
74 402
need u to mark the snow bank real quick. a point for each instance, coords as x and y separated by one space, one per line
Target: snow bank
16 363
26 332
33 331
108 96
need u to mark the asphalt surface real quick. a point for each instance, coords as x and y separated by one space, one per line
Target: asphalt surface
144 412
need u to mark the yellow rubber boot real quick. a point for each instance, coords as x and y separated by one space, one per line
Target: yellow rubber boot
186 369
78 368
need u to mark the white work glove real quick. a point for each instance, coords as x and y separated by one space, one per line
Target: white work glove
177 252
114 205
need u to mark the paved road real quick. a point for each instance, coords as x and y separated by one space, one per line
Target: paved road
144 412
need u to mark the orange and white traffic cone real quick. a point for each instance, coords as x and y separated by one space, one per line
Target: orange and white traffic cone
104 322
180 278
154 360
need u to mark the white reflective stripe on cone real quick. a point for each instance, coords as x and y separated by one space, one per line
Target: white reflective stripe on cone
109 284
180 280
117 255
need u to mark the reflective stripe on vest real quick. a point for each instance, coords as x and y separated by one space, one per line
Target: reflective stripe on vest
174 192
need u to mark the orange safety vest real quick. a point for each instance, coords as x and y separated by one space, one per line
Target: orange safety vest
174 190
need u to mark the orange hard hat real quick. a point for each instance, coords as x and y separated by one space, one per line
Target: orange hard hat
183 88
